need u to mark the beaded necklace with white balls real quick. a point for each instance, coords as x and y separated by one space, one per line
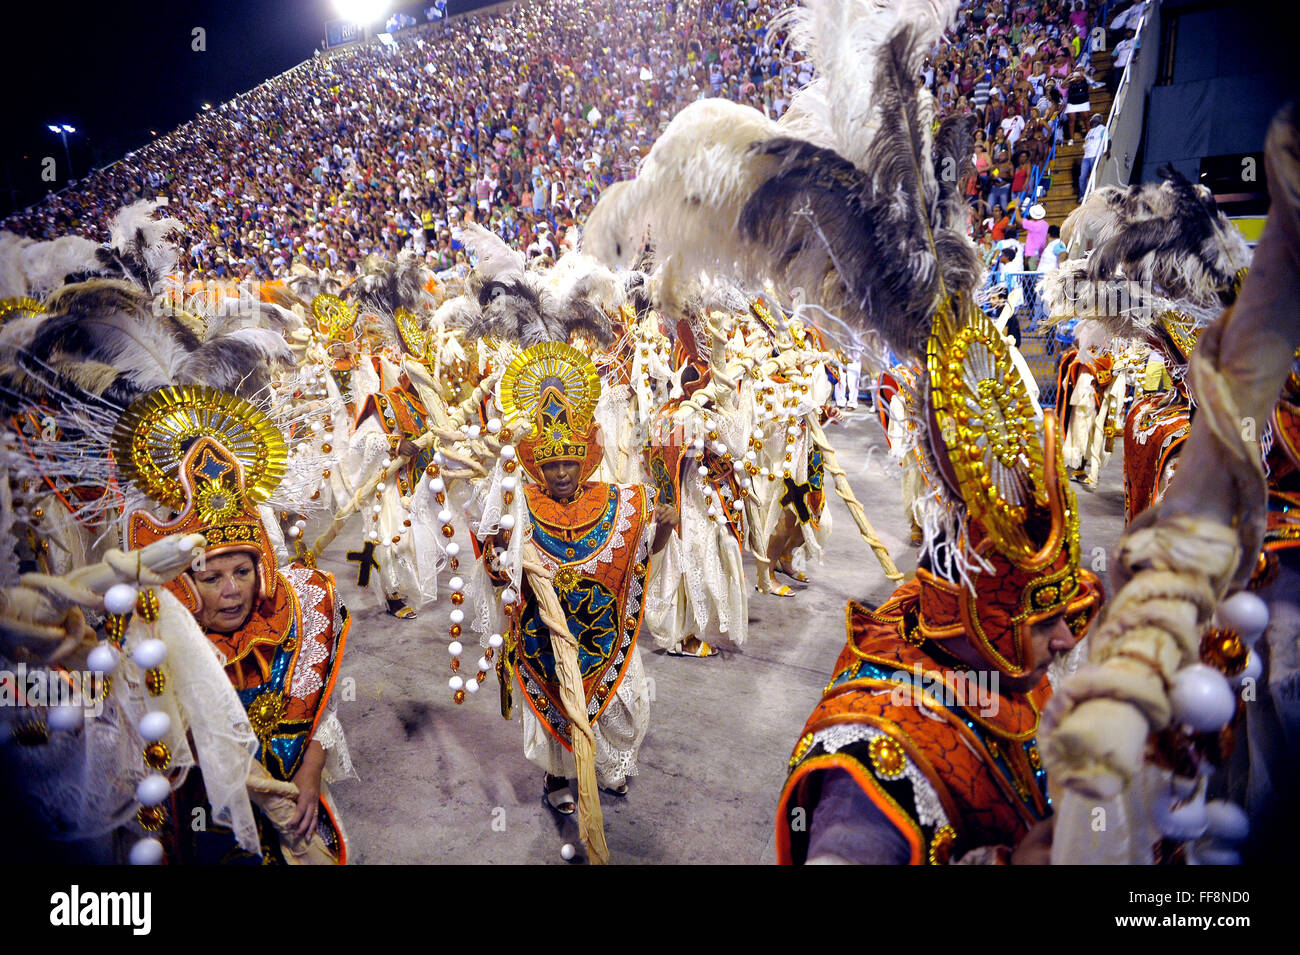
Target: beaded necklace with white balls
148 654
459 686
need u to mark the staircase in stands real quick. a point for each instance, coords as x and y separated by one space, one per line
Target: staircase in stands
1062 198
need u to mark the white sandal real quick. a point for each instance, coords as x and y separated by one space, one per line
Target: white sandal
560 800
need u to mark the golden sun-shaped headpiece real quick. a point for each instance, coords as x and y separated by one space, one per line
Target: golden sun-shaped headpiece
335 316
547 363
1021 518
414 338
153 434
988 426
555 387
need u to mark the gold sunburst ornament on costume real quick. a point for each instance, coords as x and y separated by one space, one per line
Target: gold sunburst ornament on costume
336 317
414 339
153 434
988 426
19 307
531 369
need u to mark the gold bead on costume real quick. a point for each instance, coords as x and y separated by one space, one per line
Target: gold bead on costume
887 757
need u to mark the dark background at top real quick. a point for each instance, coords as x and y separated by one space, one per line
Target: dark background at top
117 70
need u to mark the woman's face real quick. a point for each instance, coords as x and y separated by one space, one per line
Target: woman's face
227 586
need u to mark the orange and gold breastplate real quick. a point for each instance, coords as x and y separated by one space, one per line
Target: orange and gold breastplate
950 761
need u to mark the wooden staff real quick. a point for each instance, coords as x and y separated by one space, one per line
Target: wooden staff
591 823
845 491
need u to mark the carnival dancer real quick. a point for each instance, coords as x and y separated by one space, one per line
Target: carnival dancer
280 632
696 592
893 387
595 539
805 522
391 413
923 748
1090 399
856 205
1145 282
785 500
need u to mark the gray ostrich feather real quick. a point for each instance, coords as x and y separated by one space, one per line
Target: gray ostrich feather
138 247
1151 248
388 285
105 338
516 304
880 249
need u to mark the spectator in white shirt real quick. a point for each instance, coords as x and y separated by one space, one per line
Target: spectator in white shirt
1124 49
1094 144
1129 17
1052 252
1012 242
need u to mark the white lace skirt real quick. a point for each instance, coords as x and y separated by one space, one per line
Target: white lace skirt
697 583
619 733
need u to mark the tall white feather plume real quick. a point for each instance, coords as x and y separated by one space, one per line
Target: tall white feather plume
843 39
577 275
136 220
809 116
48 264
134 230
494 257
13 280
689 192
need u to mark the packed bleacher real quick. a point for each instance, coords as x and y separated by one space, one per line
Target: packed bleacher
521 118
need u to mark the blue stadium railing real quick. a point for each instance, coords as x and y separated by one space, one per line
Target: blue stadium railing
1041 345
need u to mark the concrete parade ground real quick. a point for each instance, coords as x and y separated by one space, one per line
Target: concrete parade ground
442 783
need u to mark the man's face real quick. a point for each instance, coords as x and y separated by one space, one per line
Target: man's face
226 587
561 479
1047 638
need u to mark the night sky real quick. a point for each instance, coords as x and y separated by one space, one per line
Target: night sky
115 71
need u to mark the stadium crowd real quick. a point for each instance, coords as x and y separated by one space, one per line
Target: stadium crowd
520 118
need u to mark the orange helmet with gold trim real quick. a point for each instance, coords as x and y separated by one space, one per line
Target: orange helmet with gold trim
218 507
996 616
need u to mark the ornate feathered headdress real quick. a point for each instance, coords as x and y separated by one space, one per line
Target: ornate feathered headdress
1156 262
70 369
213 458
510 302
850 204
852 197
395 295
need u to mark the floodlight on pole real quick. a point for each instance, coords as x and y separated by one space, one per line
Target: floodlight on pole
63 129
